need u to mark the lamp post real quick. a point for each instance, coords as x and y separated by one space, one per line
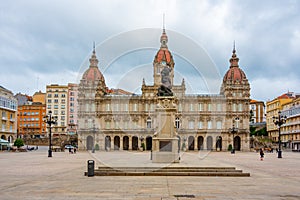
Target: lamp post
233 131
94 131
279 121
50 119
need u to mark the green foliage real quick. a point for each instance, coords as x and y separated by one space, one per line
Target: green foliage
229 147
183 146
252 130
97 148
18 142
143 146
260 132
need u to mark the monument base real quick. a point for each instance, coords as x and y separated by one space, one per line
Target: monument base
168 150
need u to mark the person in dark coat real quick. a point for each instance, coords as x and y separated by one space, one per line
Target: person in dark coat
261 153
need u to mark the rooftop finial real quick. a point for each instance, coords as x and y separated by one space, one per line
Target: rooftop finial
233 46
164 23
94 51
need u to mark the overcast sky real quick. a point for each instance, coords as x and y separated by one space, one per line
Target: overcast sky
46 42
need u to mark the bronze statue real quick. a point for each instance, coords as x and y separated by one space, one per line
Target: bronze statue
166 86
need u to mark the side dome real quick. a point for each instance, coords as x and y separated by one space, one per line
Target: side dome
234 73
93 73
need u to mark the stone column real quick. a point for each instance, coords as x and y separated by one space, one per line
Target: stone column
196 143
130 143
121 143
139 142
112 146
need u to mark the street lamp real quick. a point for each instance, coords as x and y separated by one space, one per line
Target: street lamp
279 121
49 119
94 131
233 131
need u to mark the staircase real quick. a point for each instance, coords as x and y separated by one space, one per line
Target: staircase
169 171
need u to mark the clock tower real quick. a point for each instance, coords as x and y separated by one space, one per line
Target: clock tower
163 58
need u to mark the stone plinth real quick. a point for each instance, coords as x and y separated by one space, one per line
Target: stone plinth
165 147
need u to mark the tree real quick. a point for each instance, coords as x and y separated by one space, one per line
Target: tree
18 142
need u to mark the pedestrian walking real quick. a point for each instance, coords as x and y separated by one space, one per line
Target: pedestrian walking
261 153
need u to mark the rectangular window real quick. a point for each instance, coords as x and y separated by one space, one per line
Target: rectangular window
209 124
107 125
49 106
55 106
191 107
240 107
219 125
135 107
191 124
55 95
49 95
200 106
209 107
49 100
234 107
108 107
55 100
126 107
200 125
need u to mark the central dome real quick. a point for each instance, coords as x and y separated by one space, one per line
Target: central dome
163 53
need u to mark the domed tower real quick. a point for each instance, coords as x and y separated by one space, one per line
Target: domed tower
235 83
92 83
236 89
92 77
163 58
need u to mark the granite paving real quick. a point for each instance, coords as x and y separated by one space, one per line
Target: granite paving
34 176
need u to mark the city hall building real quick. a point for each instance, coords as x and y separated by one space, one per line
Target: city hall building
110 120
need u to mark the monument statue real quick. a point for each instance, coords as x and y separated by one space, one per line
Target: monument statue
166 85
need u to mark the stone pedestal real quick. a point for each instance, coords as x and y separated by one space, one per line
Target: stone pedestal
165 142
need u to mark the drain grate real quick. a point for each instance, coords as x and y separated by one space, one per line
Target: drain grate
184 195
